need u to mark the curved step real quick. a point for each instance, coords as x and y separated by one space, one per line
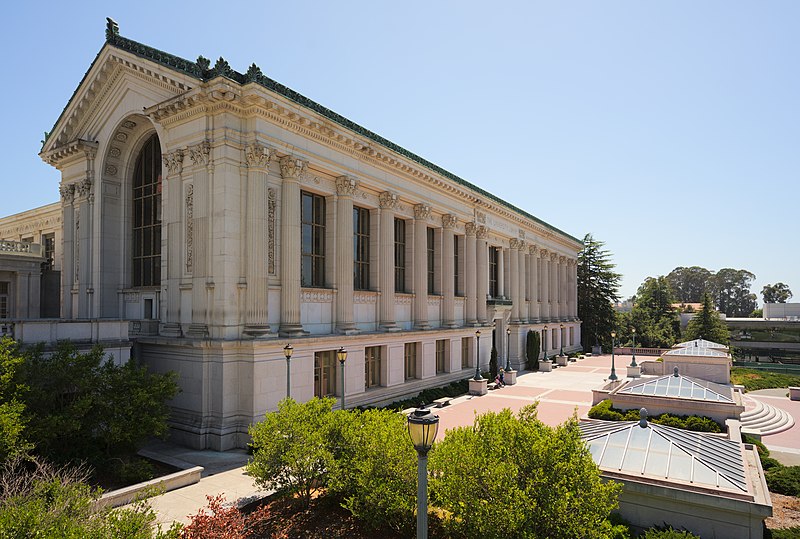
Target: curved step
766 419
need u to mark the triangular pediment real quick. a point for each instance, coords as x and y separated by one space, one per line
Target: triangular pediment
113 72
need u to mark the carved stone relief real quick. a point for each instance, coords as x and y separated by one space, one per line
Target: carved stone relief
449 220
346 186
271 204
200 154
291 167
174 162
422 211
258 155
189 227
388 200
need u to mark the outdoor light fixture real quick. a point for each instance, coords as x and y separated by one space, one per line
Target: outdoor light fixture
341 355
478 356
422 428
561 341
287 351
633 350
613 376
508 349
544 344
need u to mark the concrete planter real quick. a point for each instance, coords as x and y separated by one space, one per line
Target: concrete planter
635 372
794 393
478 387
545 366
510 378
562 361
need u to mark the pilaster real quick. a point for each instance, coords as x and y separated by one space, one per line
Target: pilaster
524 306
448 271
470 275
171 231
544 279
482 252
258 158
533 282
202 280
514 277
346 187
421 214
291 170
388 205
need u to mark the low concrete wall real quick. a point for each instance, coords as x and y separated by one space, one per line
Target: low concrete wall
126 495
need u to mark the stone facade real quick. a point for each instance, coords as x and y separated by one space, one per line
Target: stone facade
403 261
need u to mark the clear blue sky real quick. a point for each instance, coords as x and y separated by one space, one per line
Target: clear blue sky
669 130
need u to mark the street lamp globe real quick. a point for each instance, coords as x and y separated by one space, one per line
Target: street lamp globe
422 428
633 350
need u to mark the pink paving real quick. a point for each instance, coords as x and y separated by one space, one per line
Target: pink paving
788 438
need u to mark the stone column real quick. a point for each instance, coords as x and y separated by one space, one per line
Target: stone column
291 169
346 187
574 287
421 214
388 204
470 274
68 254
524 295
553 286
257 296
202 280
533 282
501 273
448 272
514 278
544 279
482 253
563 289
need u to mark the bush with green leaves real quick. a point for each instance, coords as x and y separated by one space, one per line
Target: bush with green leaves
667 533
605 411
292 447
374 470
784 480
427 396
493 368
514 476
12 407
532 349
41 500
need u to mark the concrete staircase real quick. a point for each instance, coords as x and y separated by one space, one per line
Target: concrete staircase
765 419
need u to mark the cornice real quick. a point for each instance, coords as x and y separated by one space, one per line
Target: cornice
58 155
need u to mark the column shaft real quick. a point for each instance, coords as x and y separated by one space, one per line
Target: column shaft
514 278
291 169
524 294
482 253
421 213
501 273
448 272
345 187
388 202
470 274
256 253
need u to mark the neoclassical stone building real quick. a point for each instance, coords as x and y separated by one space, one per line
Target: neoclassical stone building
226 215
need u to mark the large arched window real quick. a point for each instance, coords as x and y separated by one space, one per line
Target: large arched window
147 215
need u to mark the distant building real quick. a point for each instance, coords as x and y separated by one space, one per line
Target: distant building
776 337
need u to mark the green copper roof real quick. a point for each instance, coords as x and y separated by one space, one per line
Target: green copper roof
203 71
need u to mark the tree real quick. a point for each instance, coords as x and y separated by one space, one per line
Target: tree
493 367
707 324
653 316
12 407
598 284
532 349
689 284
776 293
541 481
731 290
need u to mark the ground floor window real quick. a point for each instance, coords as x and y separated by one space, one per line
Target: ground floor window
4 286
571 336
325 373
372 366
410 356
465 352
441 355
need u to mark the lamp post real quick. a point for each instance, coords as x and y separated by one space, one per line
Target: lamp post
287 351
508 349
422 427
613 376
633 350
478 356
342 356
561 340
544 344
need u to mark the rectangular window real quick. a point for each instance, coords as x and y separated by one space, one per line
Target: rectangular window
360 249
441 356
49 245
325 373
456 275
410 358
372 366
4 287
147 215
431 260
312 226
465 352
399 255
493 271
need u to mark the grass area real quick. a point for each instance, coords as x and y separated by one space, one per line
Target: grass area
753 379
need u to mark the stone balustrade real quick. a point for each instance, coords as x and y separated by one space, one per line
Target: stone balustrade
20 247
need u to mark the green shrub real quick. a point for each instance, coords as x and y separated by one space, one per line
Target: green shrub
427 396
532 349
493 369
783 533
784 480
753 379
374 472
604 410
291 447
509 476
667 533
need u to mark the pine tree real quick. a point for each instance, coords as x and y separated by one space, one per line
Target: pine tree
707 324
597 292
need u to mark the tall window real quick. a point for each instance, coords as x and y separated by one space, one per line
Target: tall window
147 215
361 248
49 244
465 351
456 275
430 261
410 357
312 225
4 286
441 356
372 366
325 373
399 255
493 272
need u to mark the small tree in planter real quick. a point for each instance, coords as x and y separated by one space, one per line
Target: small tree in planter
493 363
532 349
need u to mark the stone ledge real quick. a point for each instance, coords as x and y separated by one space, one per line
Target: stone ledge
125 495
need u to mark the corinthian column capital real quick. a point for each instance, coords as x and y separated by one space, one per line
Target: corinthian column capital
291 167
388 200
422 211
346 186
449 221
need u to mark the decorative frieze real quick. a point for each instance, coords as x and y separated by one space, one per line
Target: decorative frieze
449 221
521 234
365 298
189 203
291 167
271 204
403 299
346 186
128 124
200 154
111 170
316 296
388 200
114 152
422 211
174 162
258 155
